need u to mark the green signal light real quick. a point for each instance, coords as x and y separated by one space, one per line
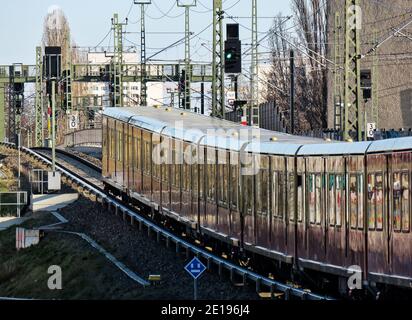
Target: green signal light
229 55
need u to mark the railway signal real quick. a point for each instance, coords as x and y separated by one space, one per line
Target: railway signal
233 49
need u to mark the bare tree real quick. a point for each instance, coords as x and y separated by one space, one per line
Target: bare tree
309 41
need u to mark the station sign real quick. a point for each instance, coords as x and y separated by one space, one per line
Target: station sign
371 127
73 120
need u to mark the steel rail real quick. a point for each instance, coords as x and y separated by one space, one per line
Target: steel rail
259 280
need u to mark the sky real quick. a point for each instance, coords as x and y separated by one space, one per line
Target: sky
90 21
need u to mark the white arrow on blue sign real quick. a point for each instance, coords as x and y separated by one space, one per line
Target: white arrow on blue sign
195 268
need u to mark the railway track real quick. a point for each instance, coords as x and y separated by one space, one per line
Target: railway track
76 170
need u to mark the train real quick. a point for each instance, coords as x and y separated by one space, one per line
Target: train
301 204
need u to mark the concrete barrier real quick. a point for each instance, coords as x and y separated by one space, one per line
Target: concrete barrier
51 202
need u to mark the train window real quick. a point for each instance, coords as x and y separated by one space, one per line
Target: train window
119 145
247 194
147 156
397 196
291 196
211 174
360 201
111 141
340 187
379 201
311 197
234 179
262 187
186 176
223 175
139 151
300 199
353 200
264 179
194 179
155 156
278 194
318 198
331 199
405 202
371 201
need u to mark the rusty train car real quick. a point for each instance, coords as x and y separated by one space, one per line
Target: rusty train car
306 204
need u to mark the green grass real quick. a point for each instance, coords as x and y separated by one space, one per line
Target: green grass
85 273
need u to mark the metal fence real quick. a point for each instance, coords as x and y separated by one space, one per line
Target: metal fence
270 117
12 203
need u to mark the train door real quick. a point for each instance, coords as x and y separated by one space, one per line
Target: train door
147 164
400 204
105 146
356 211
315 192
166 176
291 205
130 157
377 219
138 177
278 235
210 216
186 184
176 176
192 156
301 238
262 175
335 210
234 185
247 197
126 155
156 164
223 218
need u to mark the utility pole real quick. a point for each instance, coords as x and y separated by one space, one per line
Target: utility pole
118 61
53 123
292 92
254 85
143 66
68 75
39 139
375 84
218 82
2 115
353 114
188 73
202 98
338 116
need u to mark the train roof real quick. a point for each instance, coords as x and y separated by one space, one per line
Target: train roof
209 131
214 132
397 144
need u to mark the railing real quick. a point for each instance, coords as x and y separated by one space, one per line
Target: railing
83 138
12 203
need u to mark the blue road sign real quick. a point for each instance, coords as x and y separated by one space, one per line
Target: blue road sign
195 268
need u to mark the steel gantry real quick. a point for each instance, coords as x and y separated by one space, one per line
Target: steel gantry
353 115
254 84
218 82
39 99
187 92
143 65
118 62
338 68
